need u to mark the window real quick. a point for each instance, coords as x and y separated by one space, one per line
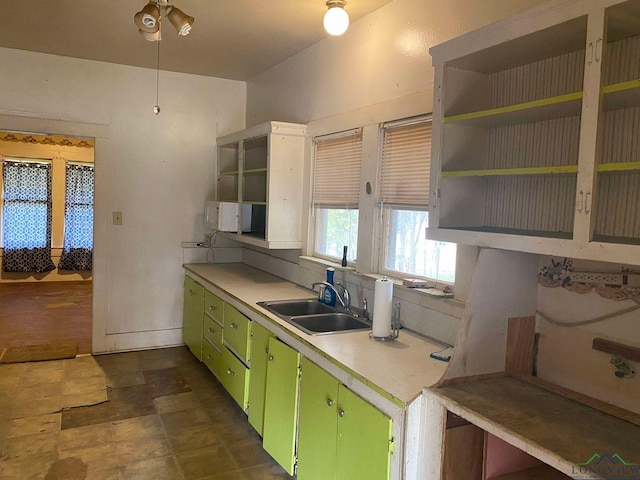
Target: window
404 199
337 166
26 216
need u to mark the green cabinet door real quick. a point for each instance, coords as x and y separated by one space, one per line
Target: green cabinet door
280 405
318 424
364 439
193 315
258 380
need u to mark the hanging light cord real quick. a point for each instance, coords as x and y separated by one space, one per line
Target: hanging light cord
156 108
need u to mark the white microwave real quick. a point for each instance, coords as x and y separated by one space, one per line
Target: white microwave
223 216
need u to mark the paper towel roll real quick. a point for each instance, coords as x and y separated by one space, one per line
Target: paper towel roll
382 303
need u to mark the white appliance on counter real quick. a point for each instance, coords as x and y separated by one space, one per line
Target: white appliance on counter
223 216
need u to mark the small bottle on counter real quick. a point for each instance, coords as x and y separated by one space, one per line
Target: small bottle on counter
344 256
330 295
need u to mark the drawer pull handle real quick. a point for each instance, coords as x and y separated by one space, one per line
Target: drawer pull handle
329 402
230 372
271 358
208 357
341 413
233 325
211 307
210 330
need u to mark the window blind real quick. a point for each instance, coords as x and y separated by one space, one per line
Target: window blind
338 160
406 162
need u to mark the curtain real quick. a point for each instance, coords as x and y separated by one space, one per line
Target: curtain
26 217
77 253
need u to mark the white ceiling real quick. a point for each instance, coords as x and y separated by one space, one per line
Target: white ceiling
234 39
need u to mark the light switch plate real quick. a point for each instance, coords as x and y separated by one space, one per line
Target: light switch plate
117 218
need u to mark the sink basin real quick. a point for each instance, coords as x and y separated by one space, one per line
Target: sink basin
328 323
315 318
293 308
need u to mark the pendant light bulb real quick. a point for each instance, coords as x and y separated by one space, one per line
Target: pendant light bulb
336 20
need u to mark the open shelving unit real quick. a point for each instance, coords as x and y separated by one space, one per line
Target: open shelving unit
260 168
537 135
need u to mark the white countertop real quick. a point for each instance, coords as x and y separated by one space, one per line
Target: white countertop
401 368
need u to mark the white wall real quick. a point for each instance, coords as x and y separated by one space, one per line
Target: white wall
382 57
565 354
380 70
156 170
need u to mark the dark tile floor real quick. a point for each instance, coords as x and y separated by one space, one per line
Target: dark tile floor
166 417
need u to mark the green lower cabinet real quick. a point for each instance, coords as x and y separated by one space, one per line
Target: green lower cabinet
317 425
340 435
258 380
193 316
234 377
211 358
364 439
281 402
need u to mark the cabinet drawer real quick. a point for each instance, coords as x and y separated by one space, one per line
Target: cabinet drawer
213 332
237 331
235 378
211 358
213 306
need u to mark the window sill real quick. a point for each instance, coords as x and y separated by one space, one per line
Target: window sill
448 305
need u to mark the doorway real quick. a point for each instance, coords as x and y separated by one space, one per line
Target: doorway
46 240
69 305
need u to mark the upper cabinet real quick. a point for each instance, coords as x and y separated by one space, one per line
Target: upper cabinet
261 169
536 133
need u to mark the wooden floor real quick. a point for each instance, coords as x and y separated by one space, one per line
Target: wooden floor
45 313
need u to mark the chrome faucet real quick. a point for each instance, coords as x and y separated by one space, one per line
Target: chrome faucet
344 299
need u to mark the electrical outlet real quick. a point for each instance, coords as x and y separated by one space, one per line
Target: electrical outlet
117 218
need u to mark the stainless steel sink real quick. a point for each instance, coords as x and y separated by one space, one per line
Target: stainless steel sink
315 318
293 308
328 323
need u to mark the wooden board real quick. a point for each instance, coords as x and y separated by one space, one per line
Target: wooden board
627 351
464 453
520 345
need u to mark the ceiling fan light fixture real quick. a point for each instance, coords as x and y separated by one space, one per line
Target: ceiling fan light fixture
148 19
180 20
336 19
151 37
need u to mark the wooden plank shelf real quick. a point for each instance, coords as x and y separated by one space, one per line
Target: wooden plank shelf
231 172
545 109
495 172
254 170
559 432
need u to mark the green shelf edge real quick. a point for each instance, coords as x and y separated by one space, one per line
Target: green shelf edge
494 112
511 171
618 167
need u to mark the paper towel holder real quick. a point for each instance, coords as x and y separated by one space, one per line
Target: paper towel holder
395 327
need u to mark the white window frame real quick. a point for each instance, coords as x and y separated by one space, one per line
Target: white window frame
314 209
385 210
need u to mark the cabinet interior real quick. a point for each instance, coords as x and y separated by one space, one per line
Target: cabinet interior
511 133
